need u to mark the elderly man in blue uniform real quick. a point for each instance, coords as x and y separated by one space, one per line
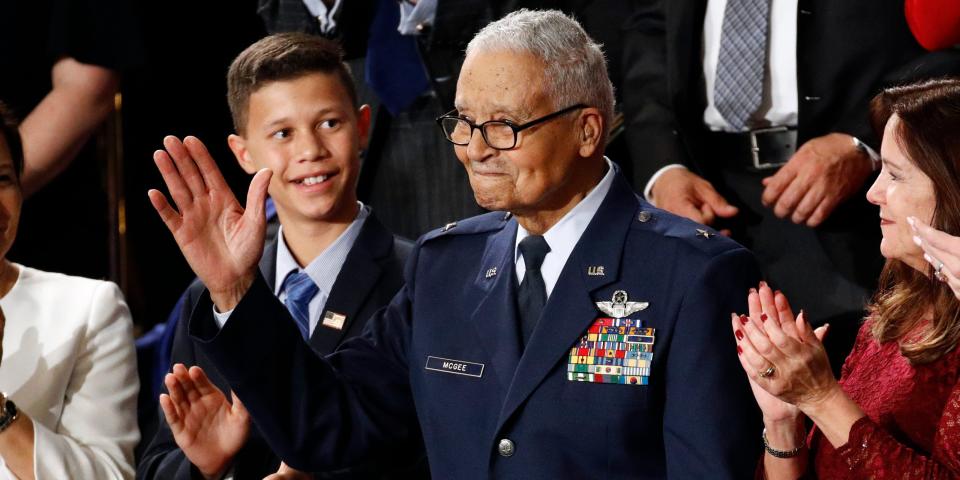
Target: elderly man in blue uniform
575 332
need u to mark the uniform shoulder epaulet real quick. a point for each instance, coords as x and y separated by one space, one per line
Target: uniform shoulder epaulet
478 224
698 236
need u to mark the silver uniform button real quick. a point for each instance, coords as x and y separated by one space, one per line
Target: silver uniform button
505 447
644 217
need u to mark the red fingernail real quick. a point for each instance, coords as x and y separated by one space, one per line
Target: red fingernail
743 319
763 284
739 350
778 292
763 317
739 335
753 290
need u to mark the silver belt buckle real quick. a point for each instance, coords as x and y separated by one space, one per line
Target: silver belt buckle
755 148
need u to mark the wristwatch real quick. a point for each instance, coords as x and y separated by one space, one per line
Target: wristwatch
8 412
869 152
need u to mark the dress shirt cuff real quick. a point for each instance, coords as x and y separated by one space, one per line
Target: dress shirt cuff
414 17
221 318
648 189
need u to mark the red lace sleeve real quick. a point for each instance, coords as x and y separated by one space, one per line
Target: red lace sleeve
871 452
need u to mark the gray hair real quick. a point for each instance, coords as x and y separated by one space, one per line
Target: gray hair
576 70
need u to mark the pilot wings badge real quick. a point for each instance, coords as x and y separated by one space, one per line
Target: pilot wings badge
620 307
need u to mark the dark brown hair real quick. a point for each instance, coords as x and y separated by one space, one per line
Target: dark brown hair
8 128
929 133
284 56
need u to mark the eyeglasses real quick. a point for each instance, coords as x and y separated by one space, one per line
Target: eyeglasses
499 134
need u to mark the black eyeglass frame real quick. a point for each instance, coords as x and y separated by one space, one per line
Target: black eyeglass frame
516 128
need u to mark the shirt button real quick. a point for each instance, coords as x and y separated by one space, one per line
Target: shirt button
505 448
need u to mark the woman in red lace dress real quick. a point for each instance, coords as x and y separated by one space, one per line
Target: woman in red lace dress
895 412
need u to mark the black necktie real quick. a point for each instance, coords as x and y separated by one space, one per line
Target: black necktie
532 295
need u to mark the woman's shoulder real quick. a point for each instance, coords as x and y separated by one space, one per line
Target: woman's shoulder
40 282
59 297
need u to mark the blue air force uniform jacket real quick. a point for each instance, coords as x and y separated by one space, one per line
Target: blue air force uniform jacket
664 397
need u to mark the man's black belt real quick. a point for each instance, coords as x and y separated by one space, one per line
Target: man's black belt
757 150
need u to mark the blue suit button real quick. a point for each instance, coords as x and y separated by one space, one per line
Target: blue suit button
505 448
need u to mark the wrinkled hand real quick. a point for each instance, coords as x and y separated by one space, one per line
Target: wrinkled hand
208 429
825 172
220 240
772 336
287 473
682 192
939 247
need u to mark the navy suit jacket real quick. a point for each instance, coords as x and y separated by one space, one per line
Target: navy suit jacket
695 419
369 278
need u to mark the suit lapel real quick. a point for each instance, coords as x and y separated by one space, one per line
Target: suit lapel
268 264
358 276
570 309
495 318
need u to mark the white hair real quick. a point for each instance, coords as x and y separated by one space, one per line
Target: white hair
576 70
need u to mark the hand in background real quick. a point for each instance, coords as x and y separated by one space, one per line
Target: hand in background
823 173
209 429
682 192
220 240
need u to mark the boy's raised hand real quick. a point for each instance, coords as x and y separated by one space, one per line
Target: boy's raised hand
221 241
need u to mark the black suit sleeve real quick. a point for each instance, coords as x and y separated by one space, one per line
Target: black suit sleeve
651 124
714 431
318 414
163 459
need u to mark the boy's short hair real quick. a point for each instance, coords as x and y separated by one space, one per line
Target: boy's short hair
8 128
284 56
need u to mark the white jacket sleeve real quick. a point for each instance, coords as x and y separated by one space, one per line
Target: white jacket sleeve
98 430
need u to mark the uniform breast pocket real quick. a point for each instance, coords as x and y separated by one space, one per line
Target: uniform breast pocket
584 394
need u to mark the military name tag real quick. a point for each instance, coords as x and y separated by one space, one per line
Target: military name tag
458 367
614 350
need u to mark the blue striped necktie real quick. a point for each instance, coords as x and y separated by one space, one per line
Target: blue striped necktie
300 289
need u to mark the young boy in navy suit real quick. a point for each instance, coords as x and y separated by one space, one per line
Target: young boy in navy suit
333 264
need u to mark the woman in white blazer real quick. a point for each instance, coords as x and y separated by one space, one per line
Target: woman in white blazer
68 373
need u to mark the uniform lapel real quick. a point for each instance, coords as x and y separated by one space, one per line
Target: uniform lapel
495 318
358 276
570 309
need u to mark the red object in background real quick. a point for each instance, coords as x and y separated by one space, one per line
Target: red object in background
934 23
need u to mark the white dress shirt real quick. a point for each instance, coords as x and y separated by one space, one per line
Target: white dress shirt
327 17
69 363
564 235
779 105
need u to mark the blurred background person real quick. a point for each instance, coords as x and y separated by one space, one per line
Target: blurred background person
751 116
68 377
892 415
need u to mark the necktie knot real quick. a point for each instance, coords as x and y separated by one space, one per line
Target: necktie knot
300 289
534 249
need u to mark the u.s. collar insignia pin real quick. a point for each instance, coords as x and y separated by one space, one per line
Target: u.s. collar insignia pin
620 307
491 272
595 271
703 233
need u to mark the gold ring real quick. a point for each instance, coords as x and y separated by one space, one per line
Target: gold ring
768 372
